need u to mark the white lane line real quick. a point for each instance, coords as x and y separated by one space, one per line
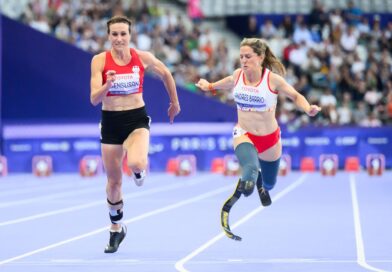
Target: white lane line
156 261
131 220
73 193
29 184
180 264
37 188
48 197
100 202
361 258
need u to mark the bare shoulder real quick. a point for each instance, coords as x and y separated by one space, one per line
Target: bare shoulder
236 73
148 59
99 59
278 82
144 55
275 78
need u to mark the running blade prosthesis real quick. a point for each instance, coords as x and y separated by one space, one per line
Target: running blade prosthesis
225 213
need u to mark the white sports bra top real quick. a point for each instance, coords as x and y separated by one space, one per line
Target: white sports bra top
255 98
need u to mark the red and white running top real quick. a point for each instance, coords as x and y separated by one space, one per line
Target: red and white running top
255 98
129 77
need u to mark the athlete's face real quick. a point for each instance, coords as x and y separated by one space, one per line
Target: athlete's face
249 59
119 35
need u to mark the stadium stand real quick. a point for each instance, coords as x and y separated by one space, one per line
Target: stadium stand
337 53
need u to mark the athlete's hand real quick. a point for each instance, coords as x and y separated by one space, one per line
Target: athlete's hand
173 110
313 110
110 77
203 85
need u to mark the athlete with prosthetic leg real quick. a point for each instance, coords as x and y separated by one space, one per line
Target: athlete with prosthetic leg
256 137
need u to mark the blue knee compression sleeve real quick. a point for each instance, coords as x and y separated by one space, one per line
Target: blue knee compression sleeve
248 160
269 173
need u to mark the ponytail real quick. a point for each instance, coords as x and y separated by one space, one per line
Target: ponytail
260 47
271 62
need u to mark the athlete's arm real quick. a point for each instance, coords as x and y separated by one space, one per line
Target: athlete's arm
98 91
151 63
279 83
226 83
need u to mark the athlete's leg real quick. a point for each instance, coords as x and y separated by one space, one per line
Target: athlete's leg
269 173
226 211
136 146
248 160
247 157
269 163
112 159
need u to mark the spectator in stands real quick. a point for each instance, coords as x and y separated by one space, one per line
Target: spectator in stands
256 137
352 14
287 26
268 30
360 112
40 23
389 107
371 120
252 29
302 34
344 114
171 33
117 83
194 10
364 27
349 39
318 17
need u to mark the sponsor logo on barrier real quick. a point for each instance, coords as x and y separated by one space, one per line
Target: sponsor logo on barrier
328 164
317 141
197 143
90 166
53 146
348 140
42 166
21 147
377 140
231 165
155 148
225 143
293 141
284 165
375 164
86 145
3 166
186 165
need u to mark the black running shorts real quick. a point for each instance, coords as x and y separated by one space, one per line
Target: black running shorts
117 125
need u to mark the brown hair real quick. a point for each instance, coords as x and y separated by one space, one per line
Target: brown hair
119 19
260 47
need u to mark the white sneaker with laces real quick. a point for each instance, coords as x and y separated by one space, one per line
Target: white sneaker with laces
139 177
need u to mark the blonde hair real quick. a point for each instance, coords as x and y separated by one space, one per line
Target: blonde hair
260 47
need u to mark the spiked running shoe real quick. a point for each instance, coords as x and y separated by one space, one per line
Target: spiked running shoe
139 177
264 197
115 239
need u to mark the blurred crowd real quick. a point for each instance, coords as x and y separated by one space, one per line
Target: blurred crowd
338 59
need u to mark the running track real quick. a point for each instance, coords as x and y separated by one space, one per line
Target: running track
315 223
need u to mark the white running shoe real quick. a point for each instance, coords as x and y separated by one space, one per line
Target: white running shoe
139 177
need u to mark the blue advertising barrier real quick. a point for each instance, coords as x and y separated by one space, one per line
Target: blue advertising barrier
67 144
